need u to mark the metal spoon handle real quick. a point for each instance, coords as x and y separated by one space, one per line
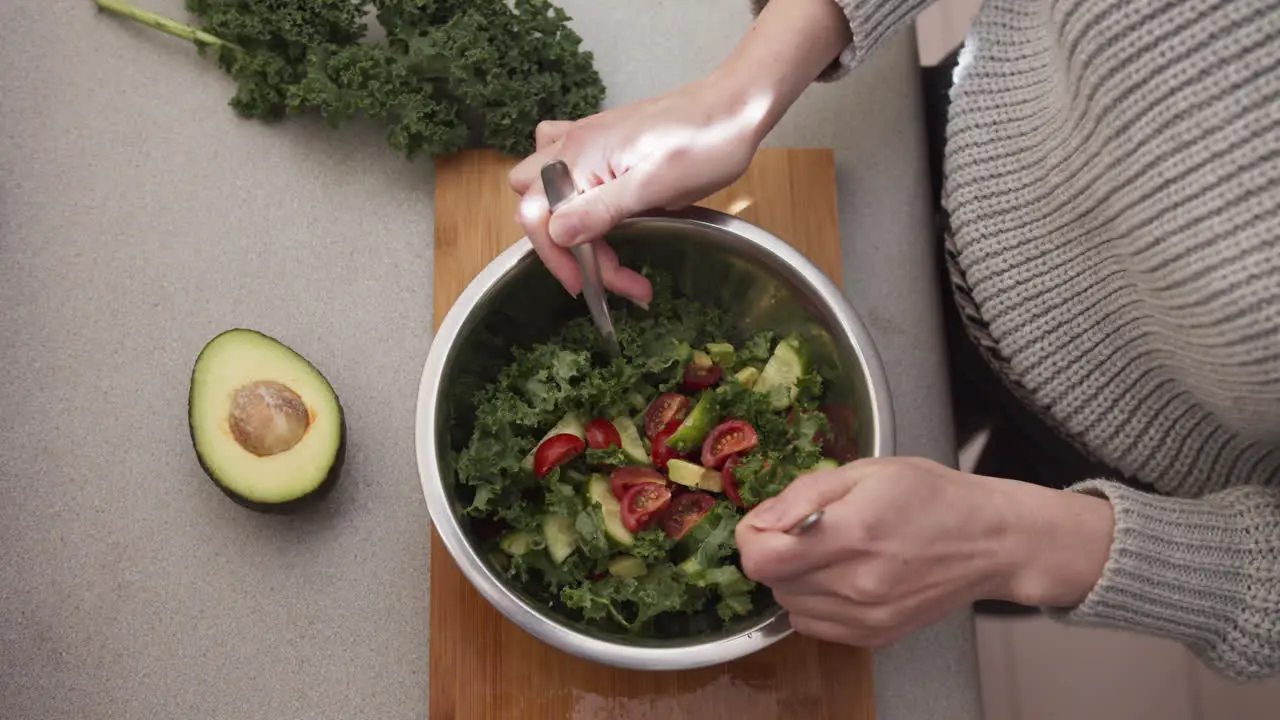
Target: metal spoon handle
807 523
559 186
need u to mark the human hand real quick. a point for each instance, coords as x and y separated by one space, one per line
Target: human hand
905 542
664 152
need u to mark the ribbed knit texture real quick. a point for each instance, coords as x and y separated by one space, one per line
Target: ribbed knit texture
1113 183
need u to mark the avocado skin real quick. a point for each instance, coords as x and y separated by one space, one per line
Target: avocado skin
296 505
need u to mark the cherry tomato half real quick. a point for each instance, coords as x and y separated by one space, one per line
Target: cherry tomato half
624 478
665 408
730 482
700 377
725 439
684 512
556 451
602 434
642 503
661 451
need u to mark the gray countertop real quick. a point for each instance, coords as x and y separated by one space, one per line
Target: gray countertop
139 217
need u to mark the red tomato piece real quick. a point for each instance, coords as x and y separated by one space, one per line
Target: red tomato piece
642 503
700 377
556 451
728 438
624 478
602 434
664 409
730 482
684 512
661 451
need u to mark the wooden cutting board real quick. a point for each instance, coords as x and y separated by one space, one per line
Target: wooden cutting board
484 667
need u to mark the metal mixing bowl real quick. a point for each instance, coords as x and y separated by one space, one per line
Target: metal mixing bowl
714 258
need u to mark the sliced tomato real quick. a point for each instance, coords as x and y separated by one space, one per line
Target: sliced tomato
700 377
642 503
730 482
684 512
664 409
727 438
624 478
556 451
661 451
602 434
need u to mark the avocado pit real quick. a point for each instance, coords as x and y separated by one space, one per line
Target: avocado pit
267 417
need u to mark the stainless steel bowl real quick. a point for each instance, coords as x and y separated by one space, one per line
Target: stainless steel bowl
714 258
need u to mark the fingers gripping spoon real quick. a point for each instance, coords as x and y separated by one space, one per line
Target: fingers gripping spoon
559 186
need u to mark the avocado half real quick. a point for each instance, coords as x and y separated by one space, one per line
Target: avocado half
267 427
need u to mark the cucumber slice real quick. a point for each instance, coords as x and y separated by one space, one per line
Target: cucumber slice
694 429
632 445
601 493
519 542
562 538
701 359
626 566
790 360
824 464
694 475
721 354
570 423
748 376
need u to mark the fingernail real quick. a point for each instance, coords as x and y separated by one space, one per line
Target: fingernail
767 515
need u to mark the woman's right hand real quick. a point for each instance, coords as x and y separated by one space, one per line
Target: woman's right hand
664 152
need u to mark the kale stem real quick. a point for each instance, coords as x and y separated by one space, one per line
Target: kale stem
199 37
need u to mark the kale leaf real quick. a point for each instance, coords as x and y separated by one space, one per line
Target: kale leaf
449 74
633 602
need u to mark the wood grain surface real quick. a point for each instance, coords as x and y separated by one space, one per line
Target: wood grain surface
484 667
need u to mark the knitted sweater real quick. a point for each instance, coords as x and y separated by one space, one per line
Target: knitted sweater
1113 185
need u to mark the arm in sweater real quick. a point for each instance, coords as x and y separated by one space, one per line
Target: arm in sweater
870 23
1203 572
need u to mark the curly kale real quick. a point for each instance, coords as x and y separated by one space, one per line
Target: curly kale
449 74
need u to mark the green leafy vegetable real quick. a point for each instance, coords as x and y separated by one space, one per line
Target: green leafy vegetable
711 540
611 456
633 602
652 544
449 73
591 534
697 575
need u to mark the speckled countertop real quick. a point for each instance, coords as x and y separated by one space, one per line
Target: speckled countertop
139 217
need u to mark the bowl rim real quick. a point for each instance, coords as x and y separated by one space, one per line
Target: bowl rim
495 590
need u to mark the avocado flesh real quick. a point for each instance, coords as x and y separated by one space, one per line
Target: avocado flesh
267 427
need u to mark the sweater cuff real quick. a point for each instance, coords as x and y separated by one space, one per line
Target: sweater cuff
871 21
1205 573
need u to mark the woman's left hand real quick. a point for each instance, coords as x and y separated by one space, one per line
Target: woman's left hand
904 542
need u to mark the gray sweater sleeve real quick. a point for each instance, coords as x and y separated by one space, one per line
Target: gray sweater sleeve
872 21
1202 572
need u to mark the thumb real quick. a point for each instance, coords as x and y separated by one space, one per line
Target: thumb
805 495
591 214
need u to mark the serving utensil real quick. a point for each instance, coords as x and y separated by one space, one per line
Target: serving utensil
560 188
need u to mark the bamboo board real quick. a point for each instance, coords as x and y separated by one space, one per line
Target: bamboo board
484 667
